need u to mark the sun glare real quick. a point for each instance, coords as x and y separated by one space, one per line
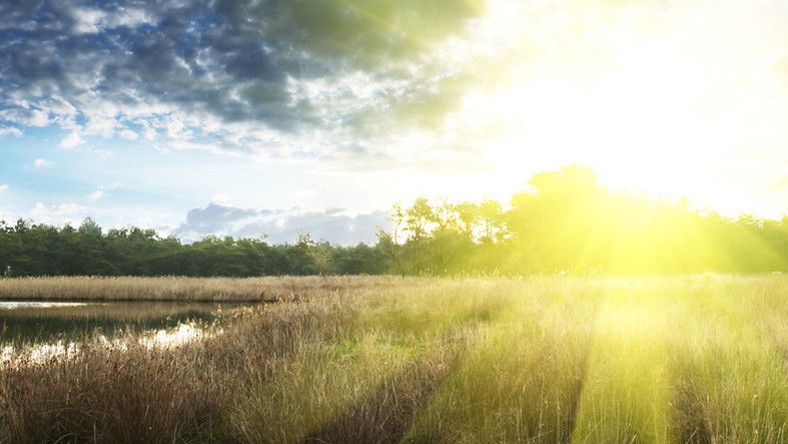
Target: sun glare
628 126
647 114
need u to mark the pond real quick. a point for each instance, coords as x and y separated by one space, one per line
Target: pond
36 322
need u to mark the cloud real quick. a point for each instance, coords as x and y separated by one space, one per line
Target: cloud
41 210
38 163
280 226
96 195
129 134
3 187
39 118
10 132
71 141
270 77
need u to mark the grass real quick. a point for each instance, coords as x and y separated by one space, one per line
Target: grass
268 289
682 359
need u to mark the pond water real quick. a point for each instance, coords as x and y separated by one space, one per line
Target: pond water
35 322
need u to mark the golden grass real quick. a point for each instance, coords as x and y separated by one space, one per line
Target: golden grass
174 288
660 359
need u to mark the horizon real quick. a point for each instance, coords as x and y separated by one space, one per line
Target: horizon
287 227
199 118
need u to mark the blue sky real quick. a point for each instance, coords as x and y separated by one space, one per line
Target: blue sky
279 117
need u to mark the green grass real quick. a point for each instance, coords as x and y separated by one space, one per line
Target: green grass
544 360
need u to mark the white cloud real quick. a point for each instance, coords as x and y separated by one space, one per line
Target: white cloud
10 132
87 21
129 134
96 195
38 163
176 128
3 187
38 118
92 21
56 210
71 141
103 125
130 17
149 133
43 112
60 107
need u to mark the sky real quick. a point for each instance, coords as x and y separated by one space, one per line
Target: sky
278 117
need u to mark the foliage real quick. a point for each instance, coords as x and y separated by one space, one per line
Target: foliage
565 223
29 249
568 223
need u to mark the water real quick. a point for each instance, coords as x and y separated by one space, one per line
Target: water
34 322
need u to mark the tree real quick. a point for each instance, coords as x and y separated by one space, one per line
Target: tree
468 214
418 218
557 224
398 217
491 215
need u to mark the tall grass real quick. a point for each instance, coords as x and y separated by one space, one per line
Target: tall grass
520 380
553 360
625 395
730 362
144 394
176 288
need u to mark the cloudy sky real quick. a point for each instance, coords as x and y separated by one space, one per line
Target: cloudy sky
246 117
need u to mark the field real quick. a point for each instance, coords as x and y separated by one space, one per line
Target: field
700 358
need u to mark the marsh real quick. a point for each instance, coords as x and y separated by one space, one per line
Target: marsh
25 322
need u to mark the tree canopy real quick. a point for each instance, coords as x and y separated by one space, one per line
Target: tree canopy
565 222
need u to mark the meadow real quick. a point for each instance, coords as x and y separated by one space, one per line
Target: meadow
659 359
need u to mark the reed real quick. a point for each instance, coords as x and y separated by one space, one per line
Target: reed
174 288
545 359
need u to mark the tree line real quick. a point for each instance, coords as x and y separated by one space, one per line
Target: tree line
566 222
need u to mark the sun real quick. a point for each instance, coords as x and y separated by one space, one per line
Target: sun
648 99
641 122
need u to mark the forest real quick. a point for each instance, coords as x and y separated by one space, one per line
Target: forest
565 222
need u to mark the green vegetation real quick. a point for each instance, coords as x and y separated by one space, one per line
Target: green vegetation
698 358
566 222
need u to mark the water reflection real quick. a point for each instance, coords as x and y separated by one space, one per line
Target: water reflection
29 322
9 305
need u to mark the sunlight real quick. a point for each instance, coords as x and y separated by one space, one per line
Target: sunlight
630 126
636 104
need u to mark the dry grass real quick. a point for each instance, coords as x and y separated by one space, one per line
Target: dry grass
668 359
154 395
267 289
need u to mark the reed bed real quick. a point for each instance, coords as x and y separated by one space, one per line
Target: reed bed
173 288
683 359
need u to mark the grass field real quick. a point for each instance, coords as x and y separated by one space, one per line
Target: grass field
700 358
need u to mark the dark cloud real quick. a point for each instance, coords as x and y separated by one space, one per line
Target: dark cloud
216 218
281 226
236 61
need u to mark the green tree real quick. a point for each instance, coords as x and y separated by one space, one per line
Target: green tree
418 218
